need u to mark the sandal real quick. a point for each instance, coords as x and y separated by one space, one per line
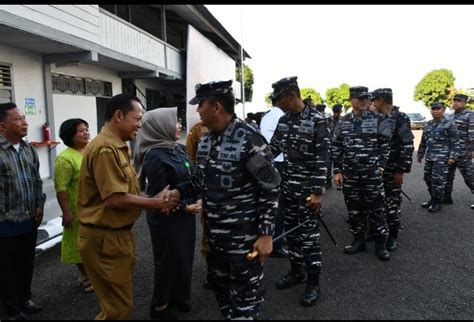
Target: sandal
86 284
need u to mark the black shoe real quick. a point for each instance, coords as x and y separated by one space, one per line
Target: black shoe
165 314
310 295
448 201
181 306
291 279
435 206
391 244
339 188
426 205
472 206
381 250
358 245
280 253
30 307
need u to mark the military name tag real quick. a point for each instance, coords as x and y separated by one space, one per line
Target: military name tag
283 127
306 127
204 148
369 126
347 126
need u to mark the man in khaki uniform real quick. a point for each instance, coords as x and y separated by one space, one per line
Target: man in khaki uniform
192 141
108 205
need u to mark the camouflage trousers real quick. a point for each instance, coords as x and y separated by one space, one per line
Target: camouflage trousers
393 201
465 167
303 243
364 191
236 282
435 176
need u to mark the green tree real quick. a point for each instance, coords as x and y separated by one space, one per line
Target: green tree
248 81
268 100
436 86
315 96
338 95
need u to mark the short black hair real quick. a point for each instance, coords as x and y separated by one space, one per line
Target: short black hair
227 101
121 102
293 89
385 97
68 129
4 107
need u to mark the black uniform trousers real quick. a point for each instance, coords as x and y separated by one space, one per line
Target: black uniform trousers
17 255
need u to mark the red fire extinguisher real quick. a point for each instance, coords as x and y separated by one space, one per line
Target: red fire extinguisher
46 133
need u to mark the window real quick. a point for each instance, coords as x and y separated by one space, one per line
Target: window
155 99
64 84
6 83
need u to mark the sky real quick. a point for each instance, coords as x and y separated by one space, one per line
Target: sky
369 45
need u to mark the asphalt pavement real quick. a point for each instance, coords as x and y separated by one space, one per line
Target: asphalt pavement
430 275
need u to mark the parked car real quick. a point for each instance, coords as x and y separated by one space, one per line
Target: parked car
417 121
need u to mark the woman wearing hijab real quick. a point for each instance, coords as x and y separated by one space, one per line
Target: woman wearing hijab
161 161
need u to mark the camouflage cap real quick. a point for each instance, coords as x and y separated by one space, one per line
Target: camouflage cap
436 105
337 108
284 84
320 107
359 91
461 97
381 92
211 89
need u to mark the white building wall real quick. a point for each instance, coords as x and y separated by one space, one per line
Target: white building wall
78 106
28 82
82 21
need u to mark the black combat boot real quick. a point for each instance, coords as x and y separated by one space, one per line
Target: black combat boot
312 291
380 249
448 200
435 206
296 275
392 240
426 205
358 245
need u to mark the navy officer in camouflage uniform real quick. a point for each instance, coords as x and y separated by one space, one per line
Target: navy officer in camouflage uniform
464 121
321 108
399 160
360 153
303 138
440 143
240 189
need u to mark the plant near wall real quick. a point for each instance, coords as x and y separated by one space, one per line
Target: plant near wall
248 81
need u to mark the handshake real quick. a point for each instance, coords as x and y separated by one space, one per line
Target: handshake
168 201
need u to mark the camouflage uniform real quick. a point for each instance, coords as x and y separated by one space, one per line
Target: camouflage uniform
440 143
360 147
303 138
464 122
399 161
321 108
240 188
332 122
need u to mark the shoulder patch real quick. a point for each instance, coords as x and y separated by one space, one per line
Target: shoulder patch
105 150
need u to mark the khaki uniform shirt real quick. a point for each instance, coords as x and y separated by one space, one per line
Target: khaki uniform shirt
106 169
192 141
